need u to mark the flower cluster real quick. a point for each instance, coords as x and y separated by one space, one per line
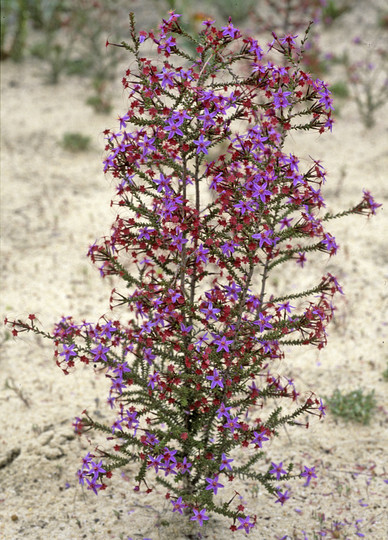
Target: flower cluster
208 205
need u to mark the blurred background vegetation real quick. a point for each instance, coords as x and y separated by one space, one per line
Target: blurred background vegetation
68 37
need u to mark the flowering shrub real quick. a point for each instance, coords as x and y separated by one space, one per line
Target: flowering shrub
193 366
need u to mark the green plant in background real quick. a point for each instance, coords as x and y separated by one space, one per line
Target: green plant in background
340 89
382 19
13 29
385 373
69 37
334 9
287 16
75 142
72 38
55 47
354 406
100 100
101 66
239 10
368 79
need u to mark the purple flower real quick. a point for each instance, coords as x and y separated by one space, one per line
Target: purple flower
282 497
334 280
263 322
322 408
301 259
96 469
232 290
201 340
201 254
86 460
100 353
259 438
153 379
185 466
186 329
202 145
144 233
185 74
232 424
207 118
180 116
329 123
373 205
286 307
107 329
330 243
169 469
245 524
210 311
178 240
123 121
155 462
261 191
199 516
151 439
244 206
109 162
147 145
308 474
148 355
326 100
78 425
288 40
92 485
230 31
147 327
68 352
223 411
280 99
292 161
81 476
163 183
225 463
277 470
117 385
228 248
173 129
131 421
178 505
121 369
117 425
223 343
168 456
213 484
215 379
173 17
216 179
142 36
167 44
265 238
167 78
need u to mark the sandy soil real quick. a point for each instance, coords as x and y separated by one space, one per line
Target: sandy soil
53 205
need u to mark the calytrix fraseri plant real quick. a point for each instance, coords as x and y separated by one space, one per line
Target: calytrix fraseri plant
209 204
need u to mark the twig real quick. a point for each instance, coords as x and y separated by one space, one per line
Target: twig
10 385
